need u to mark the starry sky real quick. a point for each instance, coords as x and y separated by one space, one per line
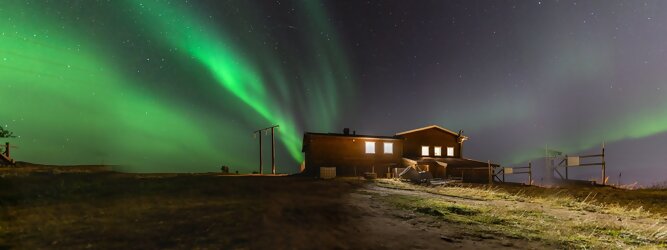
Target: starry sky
180 86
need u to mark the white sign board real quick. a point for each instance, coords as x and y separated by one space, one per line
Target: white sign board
572 161
509 170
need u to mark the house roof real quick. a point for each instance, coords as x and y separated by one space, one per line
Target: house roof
428 127
354 135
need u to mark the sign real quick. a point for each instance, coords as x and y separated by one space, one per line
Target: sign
508 170
572 161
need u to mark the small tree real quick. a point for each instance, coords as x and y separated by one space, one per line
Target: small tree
6 133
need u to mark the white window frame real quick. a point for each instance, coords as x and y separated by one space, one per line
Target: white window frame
437 151
428 149
450 151
391 148
371 149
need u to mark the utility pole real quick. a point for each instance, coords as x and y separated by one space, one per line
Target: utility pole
550 172
273 148
273 151
259 136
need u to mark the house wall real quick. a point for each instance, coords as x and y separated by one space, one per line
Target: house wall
347 153
432 137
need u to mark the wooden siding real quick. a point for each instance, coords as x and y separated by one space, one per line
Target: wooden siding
347 154
432 137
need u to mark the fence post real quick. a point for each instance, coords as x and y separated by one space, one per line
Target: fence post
503 175
604 165
530 173
567 164
490 177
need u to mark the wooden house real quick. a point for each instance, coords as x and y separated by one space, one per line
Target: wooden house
433 148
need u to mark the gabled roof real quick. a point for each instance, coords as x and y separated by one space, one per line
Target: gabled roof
354 135
427 127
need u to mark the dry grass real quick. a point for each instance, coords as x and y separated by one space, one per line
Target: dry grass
47 209
658 186
640 202
113 211
558 217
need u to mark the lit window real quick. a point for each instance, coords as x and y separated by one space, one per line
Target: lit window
424 150
388 148
370 147
450 151
437 151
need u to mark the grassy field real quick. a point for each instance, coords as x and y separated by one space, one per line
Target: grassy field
575 217
115 210
84 207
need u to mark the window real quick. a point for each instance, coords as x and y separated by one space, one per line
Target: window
450 151
424 150
437 151
388 147
370 147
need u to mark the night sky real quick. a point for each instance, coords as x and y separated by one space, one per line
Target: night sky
179 86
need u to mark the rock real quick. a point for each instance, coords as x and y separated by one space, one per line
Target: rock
448 239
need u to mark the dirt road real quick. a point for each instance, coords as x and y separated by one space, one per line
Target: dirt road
387 227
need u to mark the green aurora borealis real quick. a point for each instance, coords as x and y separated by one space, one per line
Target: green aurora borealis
72 100
179 86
